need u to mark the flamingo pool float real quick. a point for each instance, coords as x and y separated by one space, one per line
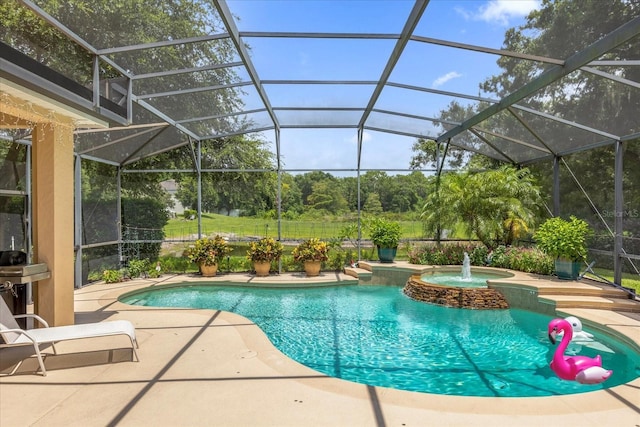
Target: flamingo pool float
585 370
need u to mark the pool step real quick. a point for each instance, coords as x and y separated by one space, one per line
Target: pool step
592 302
591 290
365 266
358 272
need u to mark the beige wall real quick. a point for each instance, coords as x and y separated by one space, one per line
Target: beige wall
52 160
52 201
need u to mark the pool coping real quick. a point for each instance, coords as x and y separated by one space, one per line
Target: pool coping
252 383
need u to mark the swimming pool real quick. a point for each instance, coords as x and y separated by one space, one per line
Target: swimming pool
376 335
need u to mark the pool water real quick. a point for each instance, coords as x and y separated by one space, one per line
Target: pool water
376 335
477 280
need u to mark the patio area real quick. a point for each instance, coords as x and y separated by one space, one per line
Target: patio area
206 367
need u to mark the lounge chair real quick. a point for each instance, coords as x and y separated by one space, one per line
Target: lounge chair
13 335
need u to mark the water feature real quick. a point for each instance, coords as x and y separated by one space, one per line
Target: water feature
466 268
375 335
453 278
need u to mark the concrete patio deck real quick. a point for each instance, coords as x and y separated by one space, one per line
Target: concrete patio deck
214 368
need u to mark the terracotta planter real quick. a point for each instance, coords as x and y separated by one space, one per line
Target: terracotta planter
312 268
262 268
208 270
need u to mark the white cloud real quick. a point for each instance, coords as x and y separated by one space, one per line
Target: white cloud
366 136
501 11
443 79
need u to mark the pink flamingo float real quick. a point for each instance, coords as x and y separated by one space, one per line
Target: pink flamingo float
585 370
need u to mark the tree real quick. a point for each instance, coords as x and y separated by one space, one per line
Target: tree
306 181
228 186
491 204
429 153
373 205
327 195
291 204
582 96
592 100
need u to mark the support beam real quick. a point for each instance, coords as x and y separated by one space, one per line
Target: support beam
556 186
619 210
199 189
77 229
412 21
612 40
53 212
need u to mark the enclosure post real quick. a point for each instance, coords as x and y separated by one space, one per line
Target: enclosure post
619 212
199 171
279 197
77 229
119 214
29 207
556 186
279 190
360 132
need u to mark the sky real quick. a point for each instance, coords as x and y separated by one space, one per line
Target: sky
474 22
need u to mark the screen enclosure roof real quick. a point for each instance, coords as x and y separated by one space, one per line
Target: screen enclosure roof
390 67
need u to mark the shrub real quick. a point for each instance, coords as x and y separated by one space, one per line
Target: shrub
564 239
529 260
137 267
112 276
265 249
515 258
171 264
446 254
383 233
209 251
312 249
155 271
498 257
478 255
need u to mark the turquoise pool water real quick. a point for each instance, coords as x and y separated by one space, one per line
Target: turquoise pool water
477 280
376 335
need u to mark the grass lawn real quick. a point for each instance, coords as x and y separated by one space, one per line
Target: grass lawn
246 227
629 280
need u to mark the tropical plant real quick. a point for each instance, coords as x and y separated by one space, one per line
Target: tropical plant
560 238
137 267
496 206
530 260
112 276
265 249
383 232
312 249
209 251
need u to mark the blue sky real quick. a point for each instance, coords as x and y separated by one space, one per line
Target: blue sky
471 21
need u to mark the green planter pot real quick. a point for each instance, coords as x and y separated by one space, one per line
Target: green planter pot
386 255
567 269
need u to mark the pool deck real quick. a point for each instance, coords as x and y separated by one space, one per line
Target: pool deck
207 367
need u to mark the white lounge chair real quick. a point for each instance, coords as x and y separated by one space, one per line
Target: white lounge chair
13 335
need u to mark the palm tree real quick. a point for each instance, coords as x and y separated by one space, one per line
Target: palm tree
496 206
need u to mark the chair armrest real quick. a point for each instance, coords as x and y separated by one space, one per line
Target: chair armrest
33 316
19 331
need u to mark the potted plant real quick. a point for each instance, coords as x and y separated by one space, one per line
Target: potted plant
262 252
566 241
208 253
385 235
311 253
